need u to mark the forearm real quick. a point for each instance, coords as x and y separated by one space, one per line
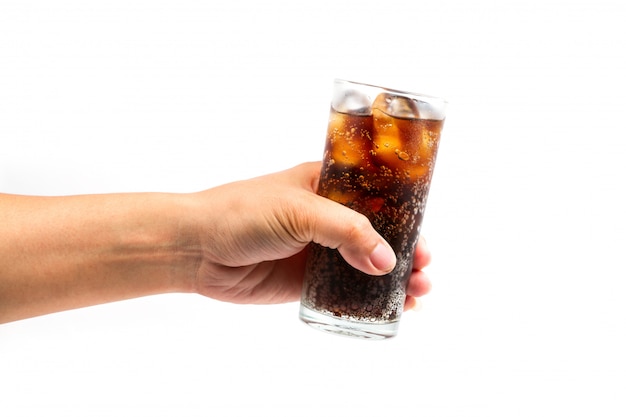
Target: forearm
59 253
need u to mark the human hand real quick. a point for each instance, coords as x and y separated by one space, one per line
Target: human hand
252 243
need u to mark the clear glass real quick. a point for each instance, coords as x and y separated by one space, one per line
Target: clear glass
380 153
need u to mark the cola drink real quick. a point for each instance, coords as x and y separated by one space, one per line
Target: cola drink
380 152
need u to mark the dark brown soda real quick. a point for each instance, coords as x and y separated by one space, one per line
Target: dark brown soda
380 166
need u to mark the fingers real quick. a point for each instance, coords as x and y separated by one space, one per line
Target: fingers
353 236
411 303
363 248
422 255
419 283
333 225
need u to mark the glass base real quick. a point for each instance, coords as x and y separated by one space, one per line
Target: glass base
342 327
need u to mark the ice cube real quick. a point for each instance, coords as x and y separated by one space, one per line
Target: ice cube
352 102
348 139
397 106
388 147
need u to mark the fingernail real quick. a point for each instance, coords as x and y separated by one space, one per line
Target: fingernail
383 258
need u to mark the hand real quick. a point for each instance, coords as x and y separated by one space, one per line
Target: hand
253 241
243 242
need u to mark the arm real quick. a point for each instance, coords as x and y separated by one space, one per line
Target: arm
58 253
242 242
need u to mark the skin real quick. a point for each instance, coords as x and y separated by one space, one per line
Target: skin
243 242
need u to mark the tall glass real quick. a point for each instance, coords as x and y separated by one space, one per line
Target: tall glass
380 153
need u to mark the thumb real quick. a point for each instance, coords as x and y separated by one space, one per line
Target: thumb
351 233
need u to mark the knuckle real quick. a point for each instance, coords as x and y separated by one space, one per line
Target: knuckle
358 227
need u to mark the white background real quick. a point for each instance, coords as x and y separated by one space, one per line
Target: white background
525 217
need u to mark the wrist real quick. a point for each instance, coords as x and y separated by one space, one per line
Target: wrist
171 245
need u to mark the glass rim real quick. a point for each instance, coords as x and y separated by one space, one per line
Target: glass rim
394 90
